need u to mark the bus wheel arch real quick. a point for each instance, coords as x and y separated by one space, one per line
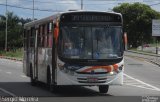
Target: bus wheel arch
48 75
50 85
49 78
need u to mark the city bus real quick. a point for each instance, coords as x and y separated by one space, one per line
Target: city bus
82 48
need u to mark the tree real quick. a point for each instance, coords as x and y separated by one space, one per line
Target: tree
2 31
15 30
137 22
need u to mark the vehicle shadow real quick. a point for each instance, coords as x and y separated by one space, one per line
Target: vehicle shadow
40 90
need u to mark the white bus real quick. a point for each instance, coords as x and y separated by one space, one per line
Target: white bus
83 48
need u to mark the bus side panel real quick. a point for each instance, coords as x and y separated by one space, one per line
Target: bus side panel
44 61
42 68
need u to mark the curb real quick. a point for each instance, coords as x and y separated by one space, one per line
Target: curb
156 55
10 58
156 63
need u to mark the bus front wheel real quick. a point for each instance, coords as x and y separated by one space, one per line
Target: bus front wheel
103 88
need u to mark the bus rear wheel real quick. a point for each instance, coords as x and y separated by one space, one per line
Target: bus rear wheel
103 88
50 86
33 81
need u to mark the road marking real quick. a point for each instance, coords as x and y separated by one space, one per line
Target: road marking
141 87
149 61
5 91
151 87
9 72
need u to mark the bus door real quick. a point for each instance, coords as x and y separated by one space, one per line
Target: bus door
26 53
36 55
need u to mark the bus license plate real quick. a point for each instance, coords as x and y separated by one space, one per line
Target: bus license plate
92 79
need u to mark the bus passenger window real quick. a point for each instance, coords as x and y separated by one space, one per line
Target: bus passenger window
43 35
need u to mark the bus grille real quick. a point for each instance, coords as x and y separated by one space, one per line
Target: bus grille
96 80
91 73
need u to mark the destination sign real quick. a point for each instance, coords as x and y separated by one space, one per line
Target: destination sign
90 17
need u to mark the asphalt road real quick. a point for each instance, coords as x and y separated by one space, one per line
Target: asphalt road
141 78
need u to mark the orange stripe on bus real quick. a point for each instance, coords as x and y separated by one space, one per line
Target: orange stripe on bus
107 68
115 67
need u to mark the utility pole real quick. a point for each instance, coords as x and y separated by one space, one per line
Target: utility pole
6 27
81 4
33 10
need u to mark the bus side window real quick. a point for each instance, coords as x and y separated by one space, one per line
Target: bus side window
50 35
32 37
39 37
45 35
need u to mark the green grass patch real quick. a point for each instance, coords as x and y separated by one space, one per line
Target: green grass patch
154 45
18 53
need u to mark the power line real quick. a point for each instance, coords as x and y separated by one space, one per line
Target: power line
64 3
154 4
47 2
49 10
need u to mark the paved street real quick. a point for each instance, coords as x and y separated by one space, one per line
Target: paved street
149 57
141 78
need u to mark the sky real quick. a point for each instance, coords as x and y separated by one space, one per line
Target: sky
44 8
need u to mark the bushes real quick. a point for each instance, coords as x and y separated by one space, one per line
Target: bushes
18 53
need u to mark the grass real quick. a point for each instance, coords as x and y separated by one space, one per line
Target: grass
147 52
18 53
154 45
143 51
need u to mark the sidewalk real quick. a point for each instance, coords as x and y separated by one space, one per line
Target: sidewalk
154 58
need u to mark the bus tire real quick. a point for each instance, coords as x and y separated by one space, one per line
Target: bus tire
103 88
33 81
49 84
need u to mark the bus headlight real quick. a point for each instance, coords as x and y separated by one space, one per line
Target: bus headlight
111 73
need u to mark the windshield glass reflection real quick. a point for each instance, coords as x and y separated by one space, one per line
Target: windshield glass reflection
90 42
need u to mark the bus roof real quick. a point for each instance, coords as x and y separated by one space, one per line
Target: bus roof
55 16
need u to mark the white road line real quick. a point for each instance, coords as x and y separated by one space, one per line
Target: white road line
153 87
9 72
141 87
5 91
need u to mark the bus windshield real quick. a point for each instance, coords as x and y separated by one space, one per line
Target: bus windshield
77 42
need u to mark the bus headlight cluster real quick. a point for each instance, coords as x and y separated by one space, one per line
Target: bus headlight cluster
116 71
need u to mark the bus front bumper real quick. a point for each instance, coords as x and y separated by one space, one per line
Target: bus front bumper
90 79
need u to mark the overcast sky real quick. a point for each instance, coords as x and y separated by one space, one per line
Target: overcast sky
48 7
